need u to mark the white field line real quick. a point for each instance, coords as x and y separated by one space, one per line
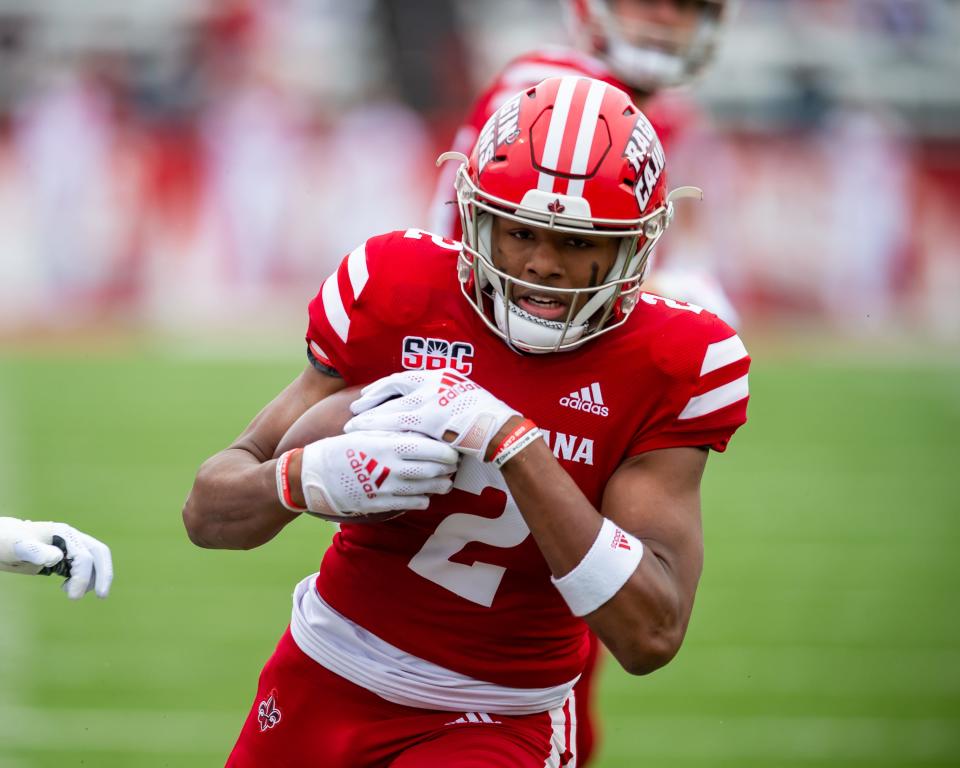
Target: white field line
136 731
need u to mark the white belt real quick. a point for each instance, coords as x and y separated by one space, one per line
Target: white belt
348 650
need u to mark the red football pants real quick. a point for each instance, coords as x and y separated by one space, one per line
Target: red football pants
305 716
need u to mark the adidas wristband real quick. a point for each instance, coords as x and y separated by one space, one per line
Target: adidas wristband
611 560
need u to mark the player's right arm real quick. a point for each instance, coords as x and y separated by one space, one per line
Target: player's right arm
233 503
244 495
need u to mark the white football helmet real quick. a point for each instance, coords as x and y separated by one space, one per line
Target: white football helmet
650 44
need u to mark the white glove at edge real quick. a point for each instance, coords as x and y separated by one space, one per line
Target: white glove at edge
432 403
370 472
27 547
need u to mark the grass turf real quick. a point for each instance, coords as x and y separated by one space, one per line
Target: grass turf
826 631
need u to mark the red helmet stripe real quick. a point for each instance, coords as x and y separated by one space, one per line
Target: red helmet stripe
555 133
585 136
573 127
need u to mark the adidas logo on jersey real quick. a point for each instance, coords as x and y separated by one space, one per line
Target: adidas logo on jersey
363 468
588 399
474 717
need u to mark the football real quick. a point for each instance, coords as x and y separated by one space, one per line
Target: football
326 419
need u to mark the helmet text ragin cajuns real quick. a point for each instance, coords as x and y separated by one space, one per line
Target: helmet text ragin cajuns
573 155
650 45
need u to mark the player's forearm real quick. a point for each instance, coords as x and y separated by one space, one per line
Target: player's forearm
233 503
546 495
643 624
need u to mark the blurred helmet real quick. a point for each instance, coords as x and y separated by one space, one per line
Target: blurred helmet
649 44
572 155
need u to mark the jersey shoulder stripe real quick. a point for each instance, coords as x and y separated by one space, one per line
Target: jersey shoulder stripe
722 353
337 306
715 399
723 377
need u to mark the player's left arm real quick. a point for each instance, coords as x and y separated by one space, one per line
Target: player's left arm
631 567
655 497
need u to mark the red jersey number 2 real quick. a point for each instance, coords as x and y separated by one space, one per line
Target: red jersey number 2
477 582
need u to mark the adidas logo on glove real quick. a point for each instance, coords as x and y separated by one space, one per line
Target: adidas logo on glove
363 469
588 399
452 386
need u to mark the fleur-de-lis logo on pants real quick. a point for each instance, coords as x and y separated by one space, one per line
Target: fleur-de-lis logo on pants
267 712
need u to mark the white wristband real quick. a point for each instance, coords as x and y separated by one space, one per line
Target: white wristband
611 560
512 450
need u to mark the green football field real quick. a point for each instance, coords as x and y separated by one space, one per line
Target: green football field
826 631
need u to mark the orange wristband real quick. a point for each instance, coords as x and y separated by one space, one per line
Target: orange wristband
283 481
525 433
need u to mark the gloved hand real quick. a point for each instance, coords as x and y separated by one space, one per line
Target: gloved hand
28 547
367 472
433 403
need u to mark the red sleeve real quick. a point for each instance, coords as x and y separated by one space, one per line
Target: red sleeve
332 310
358 319
709 393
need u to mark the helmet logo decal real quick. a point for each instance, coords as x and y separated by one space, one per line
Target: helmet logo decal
645 155
501 128
556 206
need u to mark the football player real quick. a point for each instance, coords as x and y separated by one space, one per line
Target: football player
56 548
644 47
541 423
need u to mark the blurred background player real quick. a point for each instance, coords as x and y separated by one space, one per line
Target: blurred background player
45 548
642 47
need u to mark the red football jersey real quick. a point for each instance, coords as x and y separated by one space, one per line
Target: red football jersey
668 113
462 584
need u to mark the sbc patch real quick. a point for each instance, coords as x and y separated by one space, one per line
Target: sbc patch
420 354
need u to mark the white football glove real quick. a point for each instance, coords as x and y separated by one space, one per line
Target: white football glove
367 472
433 403
28 547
